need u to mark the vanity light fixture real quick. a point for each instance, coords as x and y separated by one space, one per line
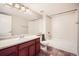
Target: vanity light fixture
27 9
8 4
11 4
16 5
23 8
19 6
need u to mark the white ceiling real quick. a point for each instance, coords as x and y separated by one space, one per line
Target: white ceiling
52 8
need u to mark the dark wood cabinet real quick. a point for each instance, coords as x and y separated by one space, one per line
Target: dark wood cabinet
37 46
23 49
23 52
30 48
11 51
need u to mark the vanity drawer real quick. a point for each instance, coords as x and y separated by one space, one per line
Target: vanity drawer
23 45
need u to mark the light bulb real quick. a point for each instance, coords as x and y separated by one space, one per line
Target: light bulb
23 8
17 6
10 4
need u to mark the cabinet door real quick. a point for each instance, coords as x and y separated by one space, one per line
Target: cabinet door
37 50
11 51
32 50
23 52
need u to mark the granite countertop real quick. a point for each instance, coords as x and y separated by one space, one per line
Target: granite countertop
14 41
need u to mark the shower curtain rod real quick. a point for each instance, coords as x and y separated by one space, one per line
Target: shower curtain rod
64 12
57 14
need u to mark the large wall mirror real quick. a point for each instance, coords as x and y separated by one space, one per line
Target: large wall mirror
12 25
5 24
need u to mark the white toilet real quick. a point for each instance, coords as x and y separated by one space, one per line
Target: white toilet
44 45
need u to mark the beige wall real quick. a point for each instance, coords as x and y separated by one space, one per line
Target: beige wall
48 28
35 27
19 25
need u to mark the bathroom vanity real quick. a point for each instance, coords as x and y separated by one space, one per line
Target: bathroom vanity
29 46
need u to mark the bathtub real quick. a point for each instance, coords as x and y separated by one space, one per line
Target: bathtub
61 44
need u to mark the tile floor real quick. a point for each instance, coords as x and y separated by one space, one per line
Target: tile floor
51 51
